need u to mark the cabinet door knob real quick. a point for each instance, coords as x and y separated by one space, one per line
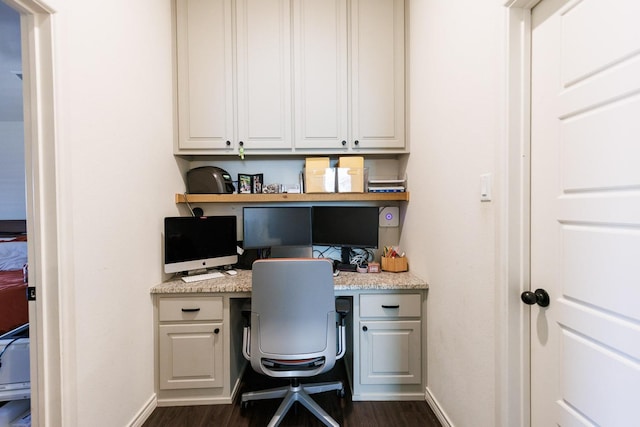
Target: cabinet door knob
356 142
364 328
241 144
228 143
344 142
216 331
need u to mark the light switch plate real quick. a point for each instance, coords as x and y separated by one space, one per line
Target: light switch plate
485 187
389 216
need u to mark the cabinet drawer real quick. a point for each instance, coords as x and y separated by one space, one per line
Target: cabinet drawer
190 308
390 305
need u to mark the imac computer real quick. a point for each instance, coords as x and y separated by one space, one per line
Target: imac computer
195 243
346 227
286 231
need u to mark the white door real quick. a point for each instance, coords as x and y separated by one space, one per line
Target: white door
585 219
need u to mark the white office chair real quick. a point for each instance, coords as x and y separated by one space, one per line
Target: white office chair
293 331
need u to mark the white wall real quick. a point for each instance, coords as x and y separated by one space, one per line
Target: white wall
12 180
116 181
449 235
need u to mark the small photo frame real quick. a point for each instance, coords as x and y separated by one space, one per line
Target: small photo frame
248 184
256 183
244 183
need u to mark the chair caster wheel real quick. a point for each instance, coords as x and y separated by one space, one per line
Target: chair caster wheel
341 392
244 405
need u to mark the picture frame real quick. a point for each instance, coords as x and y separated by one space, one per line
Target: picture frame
244 184
257 181
250 183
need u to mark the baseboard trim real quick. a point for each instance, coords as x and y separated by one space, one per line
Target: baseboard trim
194 401
437 409
370 397
145 412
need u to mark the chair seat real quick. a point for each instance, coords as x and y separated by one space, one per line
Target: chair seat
297 364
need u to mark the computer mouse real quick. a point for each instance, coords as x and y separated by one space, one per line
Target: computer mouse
231 272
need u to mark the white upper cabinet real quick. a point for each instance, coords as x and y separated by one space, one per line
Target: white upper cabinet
321 74
205 75
263 74
349 74
377 74
290 76
234 76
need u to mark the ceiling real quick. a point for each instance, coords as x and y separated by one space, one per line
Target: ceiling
10 65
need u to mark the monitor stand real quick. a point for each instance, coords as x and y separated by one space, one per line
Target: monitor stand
291 252
344 264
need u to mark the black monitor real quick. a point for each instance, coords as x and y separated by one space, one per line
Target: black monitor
276 227
345 226
193 243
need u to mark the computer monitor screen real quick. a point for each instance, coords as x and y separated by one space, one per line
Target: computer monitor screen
192 243
345 226
276 226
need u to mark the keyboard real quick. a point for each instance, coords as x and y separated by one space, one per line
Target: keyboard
199 277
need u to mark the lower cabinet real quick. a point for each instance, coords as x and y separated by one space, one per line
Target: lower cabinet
198 359
390 352
191 356
388 346
199 346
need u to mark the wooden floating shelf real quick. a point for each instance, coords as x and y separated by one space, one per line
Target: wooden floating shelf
292 197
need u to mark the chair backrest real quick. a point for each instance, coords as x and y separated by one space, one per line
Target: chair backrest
292 313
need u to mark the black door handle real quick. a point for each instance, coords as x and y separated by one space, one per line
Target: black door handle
540 297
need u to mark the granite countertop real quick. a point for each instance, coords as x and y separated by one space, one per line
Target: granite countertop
344 282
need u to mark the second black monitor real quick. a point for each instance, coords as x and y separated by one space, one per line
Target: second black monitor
345 226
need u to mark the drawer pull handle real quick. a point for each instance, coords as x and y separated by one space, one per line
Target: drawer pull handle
190 310
391 306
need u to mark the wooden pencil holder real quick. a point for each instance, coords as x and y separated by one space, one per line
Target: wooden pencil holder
395 265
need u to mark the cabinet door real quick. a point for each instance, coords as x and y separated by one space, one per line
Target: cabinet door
205 74
377 74
191 356
320 73
390 352
264 73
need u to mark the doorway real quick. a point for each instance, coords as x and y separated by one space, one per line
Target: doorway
15 387
514 383
42 229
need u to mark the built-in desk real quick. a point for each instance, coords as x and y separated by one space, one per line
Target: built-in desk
198 332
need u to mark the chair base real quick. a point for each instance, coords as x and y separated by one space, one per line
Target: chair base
296 392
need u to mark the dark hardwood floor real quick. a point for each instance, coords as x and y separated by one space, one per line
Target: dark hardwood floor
343 410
